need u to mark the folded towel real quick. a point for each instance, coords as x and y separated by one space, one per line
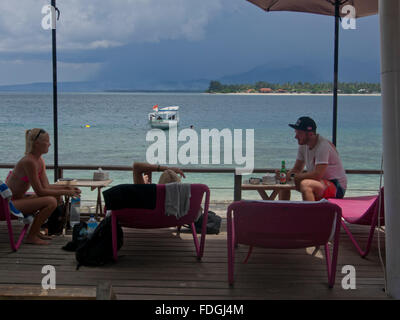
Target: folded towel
5 192
15 211
7 195
141 196
177 199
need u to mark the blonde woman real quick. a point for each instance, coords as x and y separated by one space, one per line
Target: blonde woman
30 171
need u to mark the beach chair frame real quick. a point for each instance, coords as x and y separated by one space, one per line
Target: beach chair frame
156 218
5 215
363 210
284 225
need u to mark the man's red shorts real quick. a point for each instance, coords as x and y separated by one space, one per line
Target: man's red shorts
330 190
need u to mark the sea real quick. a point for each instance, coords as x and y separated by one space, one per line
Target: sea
111 128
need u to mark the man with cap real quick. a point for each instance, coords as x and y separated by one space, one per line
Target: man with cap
325 176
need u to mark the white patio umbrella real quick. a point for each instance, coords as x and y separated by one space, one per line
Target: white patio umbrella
326 7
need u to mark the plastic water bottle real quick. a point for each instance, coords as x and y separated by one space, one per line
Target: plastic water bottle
92 225
75 212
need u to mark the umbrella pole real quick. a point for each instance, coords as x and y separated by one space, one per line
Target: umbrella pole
335 73
55 116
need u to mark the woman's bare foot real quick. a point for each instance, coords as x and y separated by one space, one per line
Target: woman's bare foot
36 240
44 237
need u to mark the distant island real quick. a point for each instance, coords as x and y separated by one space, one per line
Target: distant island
297 87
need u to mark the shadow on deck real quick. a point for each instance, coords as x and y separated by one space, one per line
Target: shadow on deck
159 264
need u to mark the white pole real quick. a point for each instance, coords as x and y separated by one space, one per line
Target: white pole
389 16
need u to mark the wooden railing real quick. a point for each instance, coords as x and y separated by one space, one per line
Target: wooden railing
237 182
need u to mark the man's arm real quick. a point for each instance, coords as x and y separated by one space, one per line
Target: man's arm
297 168
316 174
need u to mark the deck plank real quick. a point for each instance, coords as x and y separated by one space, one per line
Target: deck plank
31 292
161 264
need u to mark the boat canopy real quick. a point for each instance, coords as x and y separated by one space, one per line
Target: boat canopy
167 109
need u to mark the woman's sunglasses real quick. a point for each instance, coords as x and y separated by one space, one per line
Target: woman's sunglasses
37 136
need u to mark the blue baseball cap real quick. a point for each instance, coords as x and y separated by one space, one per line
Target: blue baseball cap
304 124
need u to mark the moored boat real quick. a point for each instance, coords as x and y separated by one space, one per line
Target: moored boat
164 118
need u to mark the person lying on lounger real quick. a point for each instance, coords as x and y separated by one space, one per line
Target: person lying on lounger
142 173
30 171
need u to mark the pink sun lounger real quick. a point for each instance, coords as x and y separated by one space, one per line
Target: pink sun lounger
364 210
284 225
156 218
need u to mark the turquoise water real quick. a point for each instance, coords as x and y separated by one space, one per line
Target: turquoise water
118 128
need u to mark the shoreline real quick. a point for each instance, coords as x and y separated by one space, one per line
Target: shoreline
296 94
197 92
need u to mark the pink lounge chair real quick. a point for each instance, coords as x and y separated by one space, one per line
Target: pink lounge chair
5 215
156 218
284 225
362 210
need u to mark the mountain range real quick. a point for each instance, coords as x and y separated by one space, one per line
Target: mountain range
315 72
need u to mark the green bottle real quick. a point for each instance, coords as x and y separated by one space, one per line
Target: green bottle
282 174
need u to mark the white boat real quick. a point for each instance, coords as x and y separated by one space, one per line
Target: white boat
164 118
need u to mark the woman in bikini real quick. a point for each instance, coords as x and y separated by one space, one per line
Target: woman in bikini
30 171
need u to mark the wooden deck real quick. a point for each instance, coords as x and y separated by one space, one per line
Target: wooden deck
159 264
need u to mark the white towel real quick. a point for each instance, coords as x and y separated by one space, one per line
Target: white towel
177 199
7 195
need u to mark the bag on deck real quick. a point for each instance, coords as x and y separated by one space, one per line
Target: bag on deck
79 236
97 250
55 223
213 223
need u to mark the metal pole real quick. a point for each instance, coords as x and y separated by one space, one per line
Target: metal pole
335 73
55 115
237 189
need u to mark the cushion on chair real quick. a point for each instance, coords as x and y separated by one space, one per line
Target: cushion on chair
140 196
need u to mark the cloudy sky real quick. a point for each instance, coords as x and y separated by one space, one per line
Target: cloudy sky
121 40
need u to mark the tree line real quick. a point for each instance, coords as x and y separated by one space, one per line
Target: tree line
295 87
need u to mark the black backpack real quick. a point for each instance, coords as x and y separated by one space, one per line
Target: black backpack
97 250
213 223
55 223
79 237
